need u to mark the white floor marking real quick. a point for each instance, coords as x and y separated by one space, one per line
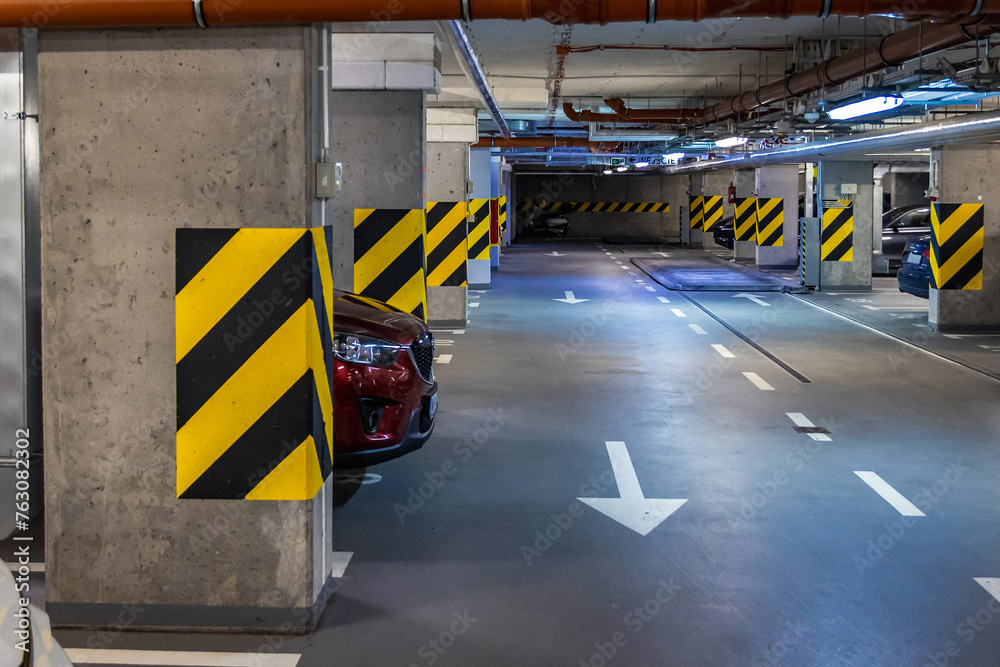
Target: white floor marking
991 584
721 349
341 559
759 381
678 312
698 330
652 289
474 304
571 299
444 359
662 299
32 567
820 437
871 307
631 509
799 419
85 656
889 494
618 261
641 282
449 331
756 299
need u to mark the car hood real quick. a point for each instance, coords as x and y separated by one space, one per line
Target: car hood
367 317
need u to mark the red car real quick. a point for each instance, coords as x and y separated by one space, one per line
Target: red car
384 392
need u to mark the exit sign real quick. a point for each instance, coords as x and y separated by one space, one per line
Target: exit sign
617 162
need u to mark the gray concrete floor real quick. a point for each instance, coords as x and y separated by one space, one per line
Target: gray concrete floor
474 551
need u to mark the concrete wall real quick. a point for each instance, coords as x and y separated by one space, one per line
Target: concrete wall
907 188
968 176
143 132
856 274
589 188
378 136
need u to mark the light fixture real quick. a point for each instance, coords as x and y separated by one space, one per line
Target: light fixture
866 107
622 169
673 157
640 165
731 142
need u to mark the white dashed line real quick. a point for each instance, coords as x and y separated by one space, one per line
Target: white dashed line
678 312
474 304
800 419
105 656
889 494
759 381
641 282
992 586
624 267
651 289
662 299
721 349
443 359
871 307
341 559
698 330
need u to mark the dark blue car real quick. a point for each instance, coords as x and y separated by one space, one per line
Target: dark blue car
914 274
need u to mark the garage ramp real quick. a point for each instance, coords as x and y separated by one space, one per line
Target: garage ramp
690 274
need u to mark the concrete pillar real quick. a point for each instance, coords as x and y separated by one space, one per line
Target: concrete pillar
143 132
447 175
833 177
379 137
781 182
746 182
968 176
717 185
480 170
693 238
675 193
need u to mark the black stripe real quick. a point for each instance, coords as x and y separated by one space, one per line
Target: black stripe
248 325
479 247
773 239
195 249
322 317
771 216
482 214
319 433
962 236
436 215
409 263
841 219
446 247
258 451
965 274
838 253
374 228
709 212
458 278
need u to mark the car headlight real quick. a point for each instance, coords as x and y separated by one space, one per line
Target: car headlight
365 350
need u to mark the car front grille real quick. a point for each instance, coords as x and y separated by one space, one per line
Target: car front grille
422 350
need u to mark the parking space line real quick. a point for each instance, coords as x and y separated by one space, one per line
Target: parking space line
889 494
678 312
662 299
698 330
799 419
991 584
444 359
341 559
105 656
652 289
474 304
759 381
721 349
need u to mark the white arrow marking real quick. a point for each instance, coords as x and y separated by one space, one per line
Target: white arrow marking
632 509
571 298
556 254
991 584
756 299
889 494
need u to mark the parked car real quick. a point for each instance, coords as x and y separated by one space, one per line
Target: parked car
723 233
914 276
384 393
899 226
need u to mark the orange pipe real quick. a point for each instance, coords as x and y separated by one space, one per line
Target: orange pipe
121 13
539 142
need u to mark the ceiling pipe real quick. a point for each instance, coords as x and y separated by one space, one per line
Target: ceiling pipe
478 76
541 142
208 13
892 51
972 127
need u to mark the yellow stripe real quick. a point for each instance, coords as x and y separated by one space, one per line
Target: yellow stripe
448 266
241 401
324 383
298 477
455 217
388 248
956 221
837 239
411 295
325 273
964 255
225 279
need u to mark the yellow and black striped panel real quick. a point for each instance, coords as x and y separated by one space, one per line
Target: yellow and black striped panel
447 244
745 222
479 229
770 223
389 261
837 244
601 207
698 213
503 215
254 362
713 212
957 246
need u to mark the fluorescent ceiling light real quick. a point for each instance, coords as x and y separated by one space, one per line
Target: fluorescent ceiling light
673 156
640 165
866 107
731 142
622 169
